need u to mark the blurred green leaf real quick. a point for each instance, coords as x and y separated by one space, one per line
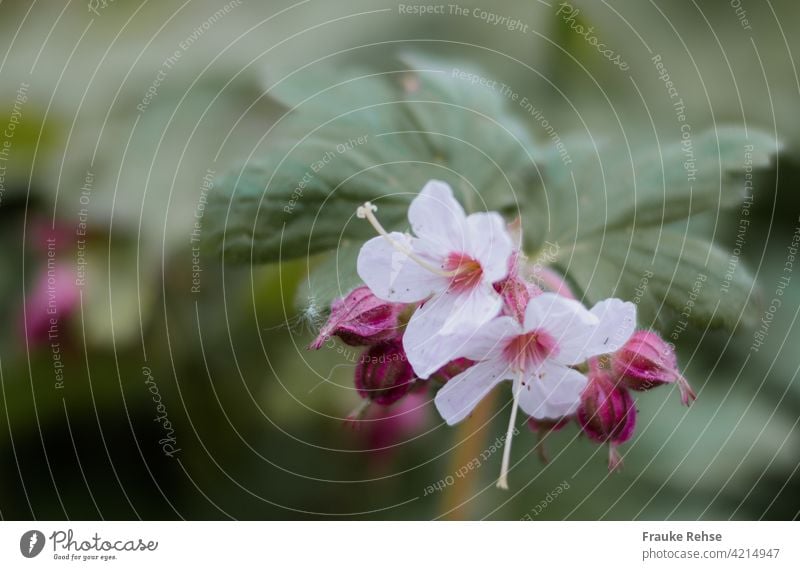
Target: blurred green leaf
659 268
609 188
608 213
301 197
118 292
334 276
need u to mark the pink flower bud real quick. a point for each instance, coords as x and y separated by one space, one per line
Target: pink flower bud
360 319
516 294
54 298
647 361
383 374
515 290
607 413
391 426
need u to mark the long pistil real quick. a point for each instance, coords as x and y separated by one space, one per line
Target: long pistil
502 481
367 212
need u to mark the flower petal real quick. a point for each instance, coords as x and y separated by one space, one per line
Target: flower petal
392 275
552 391
490 244
436 216
569 323
617 325
441 329
488 341
467 311
460 395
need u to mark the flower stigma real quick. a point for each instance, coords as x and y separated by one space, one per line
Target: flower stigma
367 212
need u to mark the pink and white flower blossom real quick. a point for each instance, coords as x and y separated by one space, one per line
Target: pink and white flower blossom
450 265
537 355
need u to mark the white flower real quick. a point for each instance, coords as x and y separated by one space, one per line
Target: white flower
537 356
450 264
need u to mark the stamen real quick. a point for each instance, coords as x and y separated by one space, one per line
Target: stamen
502 481
366 212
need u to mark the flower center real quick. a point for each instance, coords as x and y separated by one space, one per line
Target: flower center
530 349
466 272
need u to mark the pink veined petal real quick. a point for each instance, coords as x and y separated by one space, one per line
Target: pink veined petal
551 391
569 323
466 311
436 216
488 341
617 325
490 244
460 395
392 275
427 347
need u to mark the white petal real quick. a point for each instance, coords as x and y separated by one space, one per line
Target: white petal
460 395
569 323
552 391
392 275
490 244
427 350
436 216
617 325
487 342
467 311
426 340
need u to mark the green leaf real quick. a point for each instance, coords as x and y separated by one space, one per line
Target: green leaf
376 138
307 89
726 436
611 219
609 187
664 270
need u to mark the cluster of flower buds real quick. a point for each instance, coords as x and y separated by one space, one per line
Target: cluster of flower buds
607 413
383 373
457 302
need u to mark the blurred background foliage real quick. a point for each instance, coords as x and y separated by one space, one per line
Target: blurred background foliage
257 418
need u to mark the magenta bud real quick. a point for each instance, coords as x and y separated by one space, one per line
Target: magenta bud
647 361
360 319
383 374
515 294
607 412
53 300
515 290
391 425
